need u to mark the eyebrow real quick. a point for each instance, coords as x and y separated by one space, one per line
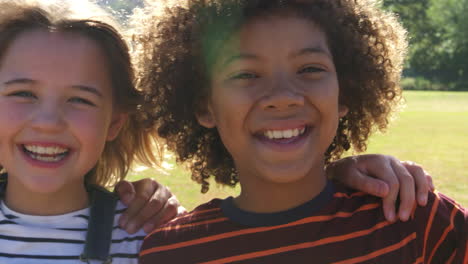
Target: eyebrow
248 56
88 89
78 87
312 50
238 56
19 81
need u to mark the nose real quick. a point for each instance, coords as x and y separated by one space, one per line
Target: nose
282 95
48 118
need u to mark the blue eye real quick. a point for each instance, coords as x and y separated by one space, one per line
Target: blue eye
22 94
80 100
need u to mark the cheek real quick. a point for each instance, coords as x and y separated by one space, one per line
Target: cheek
13 118
14 113
231 115
325 94
326 100
90 127
231 105
326 89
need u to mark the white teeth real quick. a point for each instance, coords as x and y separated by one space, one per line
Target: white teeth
46 154
278 134
288 133
47 158
45 150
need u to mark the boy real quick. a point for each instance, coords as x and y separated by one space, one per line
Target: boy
274 90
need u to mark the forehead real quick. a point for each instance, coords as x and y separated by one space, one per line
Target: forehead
42 54
275 36
297 29
37 43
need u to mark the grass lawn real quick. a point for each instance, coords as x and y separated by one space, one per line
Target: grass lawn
431 130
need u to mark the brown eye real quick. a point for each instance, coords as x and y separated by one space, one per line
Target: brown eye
311 69
244 75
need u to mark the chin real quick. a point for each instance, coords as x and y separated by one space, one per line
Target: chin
288 174
44 185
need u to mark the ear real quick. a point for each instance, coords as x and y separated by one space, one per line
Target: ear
205 117
118 120
342 110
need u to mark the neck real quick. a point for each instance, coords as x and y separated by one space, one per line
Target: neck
267 197
65 200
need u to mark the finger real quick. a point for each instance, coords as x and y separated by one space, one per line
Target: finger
386 173
379 166
368 184
407 190
125 191
355 172
431 183
145 216
154 205
422 183
168 212
144 190
388 202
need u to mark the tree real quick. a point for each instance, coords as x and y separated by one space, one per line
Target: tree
449 17
438 37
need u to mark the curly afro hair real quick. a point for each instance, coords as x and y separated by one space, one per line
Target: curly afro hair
179 47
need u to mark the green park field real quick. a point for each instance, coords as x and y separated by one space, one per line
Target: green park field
432 130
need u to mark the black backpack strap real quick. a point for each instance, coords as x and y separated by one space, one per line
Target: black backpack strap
3 183
101 221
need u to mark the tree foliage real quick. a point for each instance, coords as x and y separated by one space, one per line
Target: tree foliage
438 32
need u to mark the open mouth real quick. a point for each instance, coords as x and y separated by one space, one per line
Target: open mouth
45 154
284 136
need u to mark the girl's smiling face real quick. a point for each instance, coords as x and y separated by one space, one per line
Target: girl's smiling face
56 111
274 100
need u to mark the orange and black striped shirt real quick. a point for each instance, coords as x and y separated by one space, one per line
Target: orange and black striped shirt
338 226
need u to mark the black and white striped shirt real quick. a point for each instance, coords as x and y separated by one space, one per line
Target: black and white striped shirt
28 239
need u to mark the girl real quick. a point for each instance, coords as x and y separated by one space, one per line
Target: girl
71 116
275 90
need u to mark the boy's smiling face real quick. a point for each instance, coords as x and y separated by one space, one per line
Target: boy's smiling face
274 100
56 111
